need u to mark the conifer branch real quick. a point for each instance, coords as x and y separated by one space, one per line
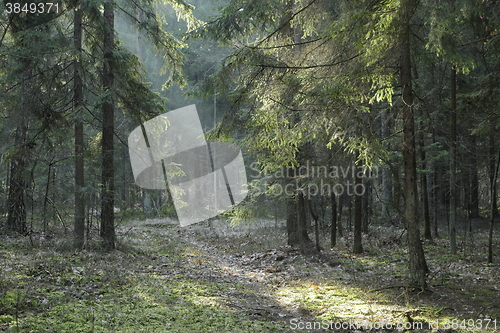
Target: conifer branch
311 66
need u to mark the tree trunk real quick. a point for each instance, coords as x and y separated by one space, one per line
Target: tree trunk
423 184
339 217
79 223
18 182
466 184
107 210
474 203
492 212
434 191
316 226
367 204
386 173
417 264
16 207
296 222
492 169
453 163
357 246
333 234
291 221
301 222
349 210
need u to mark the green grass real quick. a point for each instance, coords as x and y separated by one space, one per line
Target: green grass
92 291
159 282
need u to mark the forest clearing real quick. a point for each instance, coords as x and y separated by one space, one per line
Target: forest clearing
219 278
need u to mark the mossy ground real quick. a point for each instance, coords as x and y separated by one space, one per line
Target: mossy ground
154 282
163 278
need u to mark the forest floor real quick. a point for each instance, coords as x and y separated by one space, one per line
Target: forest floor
217 278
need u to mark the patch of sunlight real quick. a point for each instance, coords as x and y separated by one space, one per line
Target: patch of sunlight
337 303
146 297
333 301
206 301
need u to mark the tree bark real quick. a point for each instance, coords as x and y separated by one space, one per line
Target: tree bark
301 225
79 223
435 191
316 226
333 234
18 182
296 223
492 169
386 173
357 246
423 184
291 221
417 263
369 202
16 206
453 162
474 203
107 210
492 212
340 208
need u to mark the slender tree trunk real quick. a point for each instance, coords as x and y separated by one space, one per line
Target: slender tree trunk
124 192
46 199
474 209
466 183
357 246
492 169
453 163
107 210
366 210
349 209
340 208
333 234
79 224
301 222
492 212
435 189
417 263
386 173
316 225
434 201
423 183
291 221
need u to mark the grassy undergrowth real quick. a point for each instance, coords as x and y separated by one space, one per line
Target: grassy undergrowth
338 287
153 283
163 278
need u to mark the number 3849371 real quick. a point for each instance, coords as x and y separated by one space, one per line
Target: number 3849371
32 7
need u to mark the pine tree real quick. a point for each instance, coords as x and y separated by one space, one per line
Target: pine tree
79 223
417 263
108 119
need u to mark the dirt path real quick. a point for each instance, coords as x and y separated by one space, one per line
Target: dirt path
450 297
251 280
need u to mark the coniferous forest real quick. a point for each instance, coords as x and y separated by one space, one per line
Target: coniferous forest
249 166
